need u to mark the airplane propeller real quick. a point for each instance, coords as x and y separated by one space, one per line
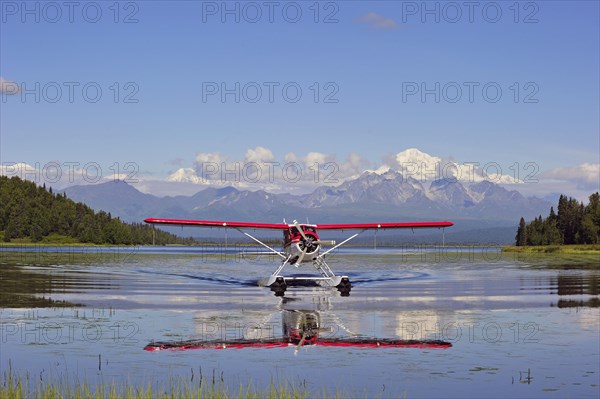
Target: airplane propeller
297 225
309 240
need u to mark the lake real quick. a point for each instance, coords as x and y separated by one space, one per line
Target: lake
518 325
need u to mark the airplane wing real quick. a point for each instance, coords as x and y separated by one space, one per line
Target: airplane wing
283 226
359 342
217 223
394 225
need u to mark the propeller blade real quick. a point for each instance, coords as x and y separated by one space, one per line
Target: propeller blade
300 344
300 229
301 257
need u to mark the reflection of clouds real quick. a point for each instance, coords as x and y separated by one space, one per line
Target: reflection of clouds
439 324
418 325
482 298
213 324
589 318
178 299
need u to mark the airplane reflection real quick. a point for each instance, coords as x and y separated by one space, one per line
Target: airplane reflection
301 326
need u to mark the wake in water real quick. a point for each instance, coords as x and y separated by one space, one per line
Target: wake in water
209 278
357 278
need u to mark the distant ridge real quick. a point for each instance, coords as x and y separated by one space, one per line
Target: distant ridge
371 196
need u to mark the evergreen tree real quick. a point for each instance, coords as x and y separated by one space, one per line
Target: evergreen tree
9 231
593 209
552 234
589 231
521 238
575 223
28 210
552 218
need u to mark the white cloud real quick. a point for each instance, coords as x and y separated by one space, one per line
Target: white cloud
259 154
585 176
210 157
18 169
318 159
377 21
356 163
261 169
8 87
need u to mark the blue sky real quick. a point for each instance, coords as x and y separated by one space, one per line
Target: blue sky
368 59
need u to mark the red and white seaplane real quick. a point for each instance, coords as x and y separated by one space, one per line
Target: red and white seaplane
301 244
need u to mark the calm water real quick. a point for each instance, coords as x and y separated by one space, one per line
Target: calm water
520 326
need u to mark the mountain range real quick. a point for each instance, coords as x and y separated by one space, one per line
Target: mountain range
372 196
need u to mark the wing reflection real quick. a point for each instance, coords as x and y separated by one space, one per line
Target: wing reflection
301 326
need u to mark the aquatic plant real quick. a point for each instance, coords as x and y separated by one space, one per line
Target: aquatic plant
19 386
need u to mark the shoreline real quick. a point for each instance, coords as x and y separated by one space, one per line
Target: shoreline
575 248
556 249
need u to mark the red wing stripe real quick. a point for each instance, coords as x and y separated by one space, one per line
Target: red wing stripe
279 343
374 343
398 225
158 346
216 223
282 226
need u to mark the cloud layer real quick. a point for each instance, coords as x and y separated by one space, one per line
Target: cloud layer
585 176
261 169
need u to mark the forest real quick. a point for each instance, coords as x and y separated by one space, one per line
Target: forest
29 211
572 223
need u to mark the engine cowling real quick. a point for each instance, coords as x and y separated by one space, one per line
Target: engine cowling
311 243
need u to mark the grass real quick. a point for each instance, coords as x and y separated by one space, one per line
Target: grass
558 249
19 387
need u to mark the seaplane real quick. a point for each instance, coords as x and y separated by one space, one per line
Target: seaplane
302 244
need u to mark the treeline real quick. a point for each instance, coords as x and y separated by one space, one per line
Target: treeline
31 211
574 223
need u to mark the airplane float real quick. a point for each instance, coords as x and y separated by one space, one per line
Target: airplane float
301 244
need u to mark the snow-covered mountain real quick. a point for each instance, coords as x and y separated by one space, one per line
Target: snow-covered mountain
411 163
390 188
387 195
485 200
424 167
